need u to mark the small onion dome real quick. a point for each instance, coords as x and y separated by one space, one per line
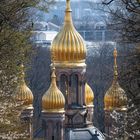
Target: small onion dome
68 47
89 95
115 97
53 100
23 93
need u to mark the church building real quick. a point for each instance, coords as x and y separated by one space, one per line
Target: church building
67 106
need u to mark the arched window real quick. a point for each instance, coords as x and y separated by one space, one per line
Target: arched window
63 84
74 89
100 26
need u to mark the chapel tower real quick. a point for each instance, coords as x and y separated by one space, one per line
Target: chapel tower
115 100
53 113
24 96
68 54
67 106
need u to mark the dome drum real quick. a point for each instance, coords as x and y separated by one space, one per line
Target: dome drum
68 64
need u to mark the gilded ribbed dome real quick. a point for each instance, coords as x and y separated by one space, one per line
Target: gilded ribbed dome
68 47
89 95
53 100
23 93
115 97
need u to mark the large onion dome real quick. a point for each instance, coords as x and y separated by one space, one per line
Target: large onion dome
23 93
89 95
53 100
68 47
115 97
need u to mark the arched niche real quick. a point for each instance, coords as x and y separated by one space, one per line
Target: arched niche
63 84
74 89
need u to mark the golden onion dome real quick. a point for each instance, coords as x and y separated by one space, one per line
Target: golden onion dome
53 100
89 95
68 47
115 97
23 93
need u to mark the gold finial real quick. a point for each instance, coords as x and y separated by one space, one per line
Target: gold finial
115 63
68 8
53 75
22 74
68 12
115 53
53 71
